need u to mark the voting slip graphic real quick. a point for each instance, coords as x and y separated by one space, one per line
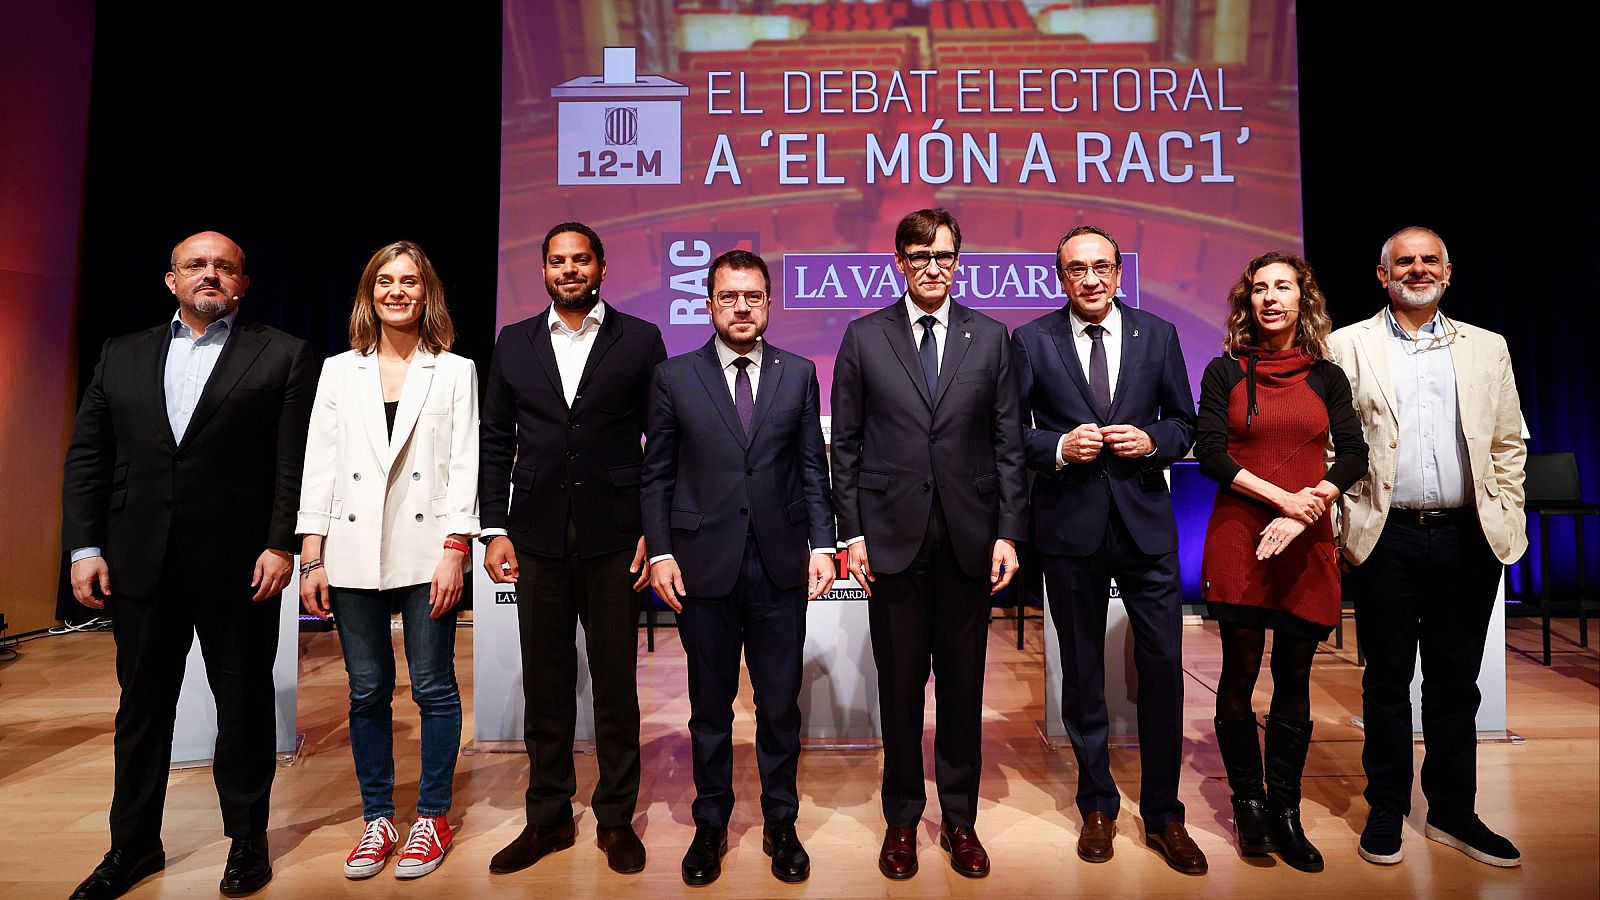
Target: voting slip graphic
620 127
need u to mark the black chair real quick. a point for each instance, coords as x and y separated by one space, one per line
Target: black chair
1553 489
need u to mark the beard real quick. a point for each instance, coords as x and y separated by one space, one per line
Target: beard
1416 299
211 307
583 300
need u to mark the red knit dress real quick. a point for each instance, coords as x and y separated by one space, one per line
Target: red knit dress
1282 441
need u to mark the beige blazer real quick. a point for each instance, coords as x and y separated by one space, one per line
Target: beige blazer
385 506
1491 420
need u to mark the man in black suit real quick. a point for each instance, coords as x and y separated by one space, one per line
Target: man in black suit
558 484
739 527
928 473
182 481
1106 406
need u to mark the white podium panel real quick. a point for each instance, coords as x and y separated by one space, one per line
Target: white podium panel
839 685
497 664
1122 682
1491 678
194 734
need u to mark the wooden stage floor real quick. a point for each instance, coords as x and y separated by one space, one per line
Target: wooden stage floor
55 777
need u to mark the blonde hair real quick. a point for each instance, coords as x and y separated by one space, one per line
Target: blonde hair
1311 328
438 334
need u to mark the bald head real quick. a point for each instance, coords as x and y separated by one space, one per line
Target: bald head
207 276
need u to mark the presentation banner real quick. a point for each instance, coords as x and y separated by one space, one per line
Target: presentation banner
803 132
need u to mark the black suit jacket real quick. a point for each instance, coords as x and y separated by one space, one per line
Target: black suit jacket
893 444
229 490
705 482
1072 505
582 460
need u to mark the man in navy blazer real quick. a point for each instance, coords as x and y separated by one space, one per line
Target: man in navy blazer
558 489
1105 407
739 527
931 492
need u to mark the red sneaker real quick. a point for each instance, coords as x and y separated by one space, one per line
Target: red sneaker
373 850
425 847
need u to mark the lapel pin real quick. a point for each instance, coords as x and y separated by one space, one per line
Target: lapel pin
1136 332
967 335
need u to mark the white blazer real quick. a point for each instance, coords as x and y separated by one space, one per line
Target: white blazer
385 505
1491 420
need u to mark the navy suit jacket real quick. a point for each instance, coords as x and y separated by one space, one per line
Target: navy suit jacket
705 482
581 460
893 443
1071 505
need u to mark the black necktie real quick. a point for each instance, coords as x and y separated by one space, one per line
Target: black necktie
744 399
1099 371
928 352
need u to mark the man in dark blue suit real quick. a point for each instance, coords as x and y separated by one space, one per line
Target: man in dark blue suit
928 473
1105 407
739 526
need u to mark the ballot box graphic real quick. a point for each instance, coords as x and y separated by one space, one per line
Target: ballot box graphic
620 127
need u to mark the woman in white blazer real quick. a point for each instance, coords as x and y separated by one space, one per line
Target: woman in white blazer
388 504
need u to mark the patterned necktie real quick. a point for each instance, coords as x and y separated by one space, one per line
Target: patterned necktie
1099 370
928 352
744 399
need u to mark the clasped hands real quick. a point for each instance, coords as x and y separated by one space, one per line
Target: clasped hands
1084 443
1301 509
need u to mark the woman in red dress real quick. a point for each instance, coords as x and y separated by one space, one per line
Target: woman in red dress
1268 407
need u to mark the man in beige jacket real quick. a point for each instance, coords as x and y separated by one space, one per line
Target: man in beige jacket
1428 529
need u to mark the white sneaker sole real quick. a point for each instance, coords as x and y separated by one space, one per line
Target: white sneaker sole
1381 859
403 871
1435 834
365 870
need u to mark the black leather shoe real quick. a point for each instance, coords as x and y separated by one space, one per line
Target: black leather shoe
624 850
790 863
702 864
532 845
118 872
248 869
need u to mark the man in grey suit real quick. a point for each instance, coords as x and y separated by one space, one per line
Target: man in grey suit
928 479
739 528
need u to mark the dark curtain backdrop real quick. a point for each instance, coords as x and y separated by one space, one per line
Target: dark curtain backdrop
315 140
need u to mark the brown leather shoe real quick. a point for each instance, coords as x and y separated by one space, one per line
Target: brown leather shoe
1094 841
1180 850
898 858
967 855
624 850
532 845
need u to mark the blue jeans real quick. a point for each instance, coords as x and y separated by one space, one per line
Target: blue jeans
363 625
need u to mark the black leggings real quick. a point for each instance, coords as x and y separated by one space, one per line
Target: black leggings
1242 646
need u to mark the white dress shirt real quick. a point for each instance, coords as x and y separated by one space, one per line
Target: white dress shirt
1084 344
572 347
941 325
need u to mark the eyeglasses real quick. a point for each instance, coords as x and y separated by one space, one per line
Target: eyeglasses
728 299
1422 343
920 259
1080 272
194 268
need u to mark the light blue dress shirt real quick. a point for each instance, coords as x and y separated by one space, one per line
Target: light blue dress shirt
190 361
1432 468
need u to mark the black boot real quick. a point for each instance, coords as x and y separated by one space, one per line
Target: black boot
1287 742
1241 756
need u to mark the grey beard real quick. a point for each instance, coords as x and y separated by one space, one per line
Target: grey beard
211 306
1417 299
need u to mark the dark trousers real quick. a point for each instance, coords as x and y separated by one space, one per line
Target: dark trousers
1079 587
238 638
1429 588
770 625
931 610
553 596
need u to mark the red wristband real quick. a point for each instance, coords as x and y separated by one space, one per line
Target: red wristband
459 546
